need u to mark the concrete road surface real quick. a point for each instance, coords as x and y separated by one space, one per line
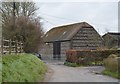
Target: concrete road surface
60 73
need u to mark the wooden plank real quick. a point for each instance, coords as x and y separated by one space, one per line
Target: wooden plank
11 47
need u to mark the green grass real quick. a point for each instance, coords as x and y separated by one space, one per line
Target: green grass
71 64
0 69
111 73
22 68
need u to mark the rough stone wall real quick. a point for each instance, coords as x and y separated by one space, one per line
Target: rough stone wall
47 51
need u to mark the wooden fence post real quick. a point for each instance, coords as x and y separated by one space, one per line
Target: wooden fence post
2 45
16 45
10 46
20 47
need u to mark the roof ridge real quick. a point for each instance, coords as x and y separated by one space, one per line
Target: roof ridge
115 33
70 24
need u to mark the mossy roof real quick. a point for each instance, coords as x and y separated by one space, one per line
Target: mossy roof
65 32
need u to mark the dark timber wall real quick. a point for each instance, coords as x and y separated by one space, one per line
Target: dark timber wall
86 38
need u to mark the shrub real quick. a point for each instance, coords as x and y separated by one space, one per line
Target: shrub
112 66
111 63
71 56
90 57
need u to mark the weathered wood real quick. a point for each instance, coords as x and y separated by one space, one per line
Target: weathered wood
80 36
86 38
9 47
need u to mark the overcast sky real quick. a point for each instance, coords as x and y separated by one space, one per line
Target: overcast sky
103 16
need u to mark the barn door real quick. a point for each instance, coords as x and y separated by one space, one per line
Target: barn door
56 50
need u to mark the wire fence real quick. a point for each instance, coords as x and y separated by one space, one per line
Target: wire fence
11 47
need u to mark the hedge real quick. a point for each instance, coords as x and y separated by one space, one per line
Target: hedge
112 63
112 66
89 57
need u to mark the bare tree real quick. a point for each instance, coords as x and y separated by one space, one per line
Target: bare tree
21 9
19 24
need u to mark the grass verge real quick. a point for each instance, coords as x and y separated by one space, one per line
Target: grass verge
71 64
0 69
22 68
111 73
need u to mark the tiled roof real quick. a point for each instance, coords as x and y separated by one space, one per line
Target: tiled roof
63 33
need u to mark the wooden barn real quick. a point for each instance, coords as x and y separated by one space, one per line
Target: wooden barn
111 40
78 36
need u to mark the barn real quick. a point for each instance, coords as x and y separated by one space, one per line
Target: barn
78 36
111 40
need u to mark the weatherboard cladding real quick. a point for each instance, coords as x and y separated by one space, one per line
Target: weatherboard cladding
111 40
64 33
86 38
114 35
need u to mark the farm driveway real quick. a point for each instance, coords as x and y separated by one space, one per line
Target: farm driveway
61 73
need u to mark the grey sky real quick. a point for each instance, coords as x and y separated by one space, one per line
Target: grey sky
102 15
